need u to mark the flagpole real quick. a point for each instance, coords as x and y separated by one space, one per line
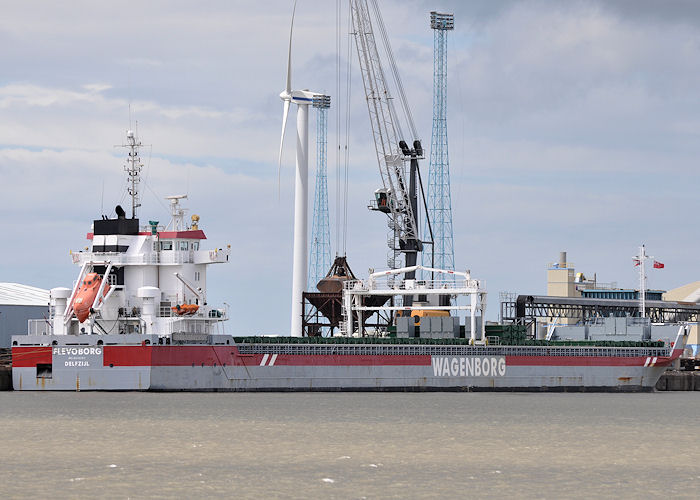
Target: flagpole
640 260
642 282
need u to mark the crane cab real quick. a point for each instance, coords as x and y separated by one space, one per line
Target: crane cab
381 198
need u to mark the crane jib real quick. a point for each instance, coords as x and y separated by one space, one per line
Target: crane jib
400 193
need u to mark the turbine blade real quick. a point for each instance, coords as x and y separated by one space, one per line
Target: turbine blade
288 87
285 113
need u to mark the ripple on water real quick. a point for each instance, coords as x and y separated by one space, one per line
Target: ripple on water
310 445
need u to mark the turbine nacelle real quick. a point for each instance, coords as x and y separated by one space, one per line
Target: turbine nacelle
299 96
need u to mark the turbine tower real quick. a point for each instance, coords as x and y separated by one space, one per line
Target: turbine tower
439 198
320 255
302 98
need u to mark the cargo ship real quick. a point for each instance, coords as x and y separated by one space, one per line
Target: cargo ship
137 318
179 362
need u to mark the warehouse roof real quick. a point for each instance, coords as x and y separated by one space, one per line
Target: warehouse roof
685 293
15 294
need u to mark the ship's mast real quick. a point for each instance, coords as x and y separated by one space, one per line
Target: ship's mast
133 169
640 261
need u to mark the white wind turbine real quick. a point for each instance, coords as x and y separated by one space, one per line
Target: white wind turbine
302 98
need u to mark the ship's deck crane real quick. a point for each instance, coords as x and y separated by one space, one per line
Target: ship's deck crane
399 196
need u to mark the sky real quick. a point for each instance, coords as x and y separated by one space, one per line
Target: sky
573 126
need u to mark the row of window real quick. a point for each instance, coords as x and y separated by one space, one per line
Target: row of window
176 245
440 350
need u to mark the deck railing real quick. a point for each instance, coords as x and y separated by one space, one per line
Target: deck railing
152 258
39 327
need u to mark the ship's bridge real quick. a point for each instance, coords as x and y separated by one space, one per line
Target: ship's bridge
132 247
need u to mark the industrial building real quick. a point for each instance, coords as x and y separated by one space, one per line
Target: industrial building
564 281
578 307
689 293
19 304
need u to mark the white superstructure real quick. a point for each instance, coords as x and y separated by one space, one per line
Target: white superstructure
150 279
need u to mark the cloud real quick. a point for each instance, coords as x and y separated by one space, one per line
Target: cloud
97 87
186 130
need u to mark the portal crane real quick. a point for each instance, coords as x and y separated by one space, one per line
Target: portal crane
399 196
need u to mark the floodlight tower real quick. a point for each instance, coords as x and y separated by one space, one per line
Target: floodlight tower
439 198
320 254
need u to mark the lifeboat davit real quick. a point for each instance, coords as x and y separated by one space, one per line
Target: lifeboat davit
86 295
185 309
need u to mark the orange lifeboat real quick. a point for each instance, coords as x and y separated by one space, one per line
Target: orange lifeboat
86 295
185 309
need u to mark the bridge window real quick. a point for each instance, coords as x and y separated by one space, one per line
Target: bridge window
183 245
166 245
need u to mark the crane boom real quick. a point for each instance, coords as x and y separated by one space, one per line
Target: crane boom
400 202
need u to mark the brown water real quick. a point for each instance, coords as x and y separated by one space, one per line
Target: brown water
354 445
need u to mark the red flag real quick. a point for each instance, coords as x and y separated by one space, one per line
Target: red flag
658 265
636 262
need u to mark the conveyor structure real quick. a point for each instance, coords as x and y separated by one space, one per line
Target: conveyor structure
529 307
